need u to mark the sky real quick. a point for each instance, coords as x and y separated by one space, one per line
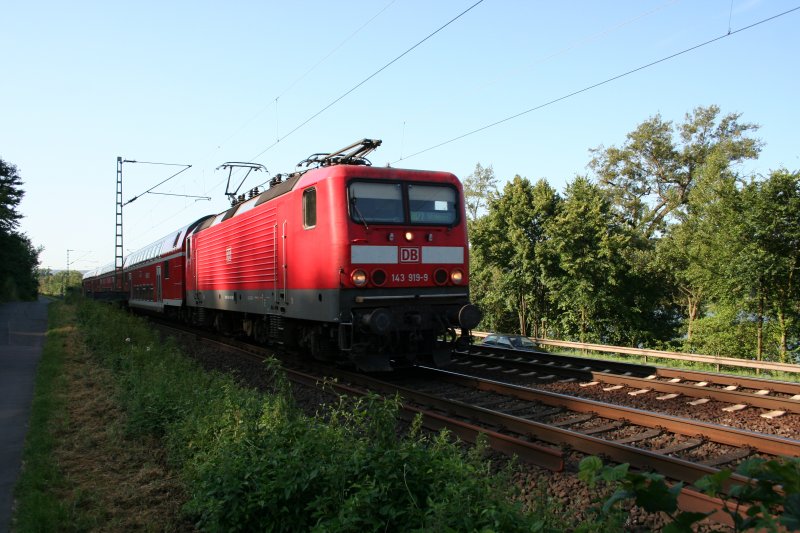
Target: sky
202 83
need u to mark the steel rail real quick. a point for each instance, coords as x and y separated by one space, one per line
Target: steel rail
651 382
768 444
580 363
696 358
545 456
784 387
671 467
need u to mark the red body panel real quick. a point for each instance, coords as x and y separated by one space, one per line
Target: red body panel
267 248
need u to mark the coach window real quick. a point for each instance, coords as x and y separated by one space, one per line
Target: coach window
166 269
309 208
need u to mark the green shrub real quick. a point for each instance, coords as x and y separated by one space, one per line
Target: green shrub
772 495
254 461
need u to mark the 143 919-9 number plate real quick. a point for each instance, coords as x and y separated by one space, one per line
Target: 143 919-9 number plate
412 277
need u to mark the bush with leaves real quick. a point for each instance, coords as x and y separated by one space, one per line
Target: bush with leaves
768 501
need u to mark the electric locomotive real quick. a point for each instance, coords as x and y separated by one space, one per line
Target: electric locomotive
342 259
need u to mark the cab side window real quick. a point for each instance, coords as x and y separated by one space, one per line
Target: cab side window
309 208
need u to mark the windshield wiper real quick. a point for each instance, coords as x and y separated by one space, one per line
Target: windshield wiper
354 203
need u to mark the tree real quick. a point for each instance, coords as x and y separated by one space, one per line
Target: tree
660 163
18 263
767 254
776 225
478 190
10 197
58 283
582 255
18 257
504 244
737 249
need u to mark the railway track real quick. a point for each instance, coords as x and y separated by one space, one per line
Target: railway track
776 397
545 428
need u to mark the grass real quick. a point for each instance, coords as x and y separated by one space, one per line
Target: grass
82 469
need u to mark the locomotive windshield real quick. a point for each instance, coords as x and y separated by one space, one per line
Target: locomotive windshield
377 203
384 203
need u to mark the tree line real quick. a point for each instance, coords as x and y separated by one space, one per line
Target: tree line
19 259
664 244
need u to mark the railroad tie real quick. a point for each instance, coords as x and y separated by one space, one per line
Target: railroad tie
573 420
732 387
701 384
699 401
638 392
737 407
543 414
667 396
613 387
772 414
649 434
616 424
762 392
735 455
491 403
590 384
681 446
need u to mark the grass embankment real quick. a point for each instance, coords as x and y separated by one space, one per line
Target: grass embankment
83 468
129 434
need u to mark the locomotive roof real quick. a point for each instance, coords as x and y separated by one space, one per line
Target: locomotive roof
273 192
308 177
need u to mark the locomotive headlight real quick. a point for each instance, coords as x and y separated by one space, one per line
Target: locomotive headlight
409 236
358 277
456 276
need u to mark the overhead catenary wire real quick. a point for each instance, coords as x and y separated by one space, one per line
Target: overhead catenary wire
599 84
304 75
186 167
365 80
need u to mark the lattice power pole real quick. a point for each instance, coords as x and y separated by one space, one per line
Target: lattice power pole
118 250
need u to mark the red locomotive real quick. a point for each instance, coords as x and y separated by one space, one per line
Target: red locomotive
344 260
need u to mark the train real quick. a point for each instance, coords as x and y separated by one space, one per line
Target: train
345 261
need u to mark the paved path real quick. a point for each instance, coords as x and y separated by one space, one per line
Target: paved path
23 326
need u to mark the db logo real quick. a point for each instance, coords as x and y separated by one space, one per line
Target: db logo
409 255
